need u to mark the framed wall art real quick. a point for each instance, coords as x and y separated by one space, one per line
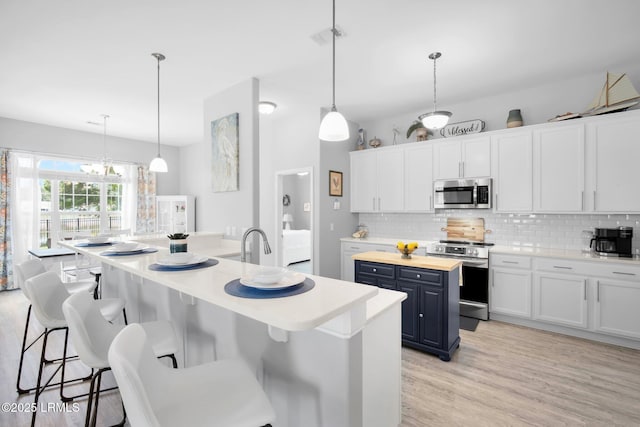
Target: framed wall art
224 154
335 183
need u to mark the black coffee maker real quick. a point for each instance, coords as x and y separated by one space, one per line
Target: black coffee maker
612 241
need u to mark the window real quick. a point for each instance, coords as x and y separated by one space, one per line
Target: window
78 200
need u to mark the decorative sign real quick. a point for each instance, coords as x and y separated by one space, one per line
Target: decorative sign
462 128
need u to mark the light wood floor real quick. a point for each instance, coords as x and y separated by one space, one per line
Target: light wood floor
502 375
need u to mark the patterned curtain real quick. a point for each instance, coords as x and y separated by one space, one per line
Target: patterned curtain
146 209
6 273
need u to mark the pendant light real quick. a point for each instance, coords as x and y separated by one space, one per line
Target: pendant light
334 126
158 164
436 119
106 162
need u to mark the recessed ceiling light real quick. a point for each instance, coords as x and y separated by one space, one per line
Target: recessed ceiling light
266 107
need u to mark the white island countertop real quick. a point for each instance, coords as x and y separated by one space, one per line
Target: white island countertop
329 298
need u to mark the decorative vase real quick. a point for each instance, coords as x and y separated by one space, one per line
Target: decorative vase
178 245
421 134
375 142
515 119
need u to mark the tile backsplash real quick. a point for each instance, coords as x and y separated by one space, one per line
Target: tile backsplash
530 230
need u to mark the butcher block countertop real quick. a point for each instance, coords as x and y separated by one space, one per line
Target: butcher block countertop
432 263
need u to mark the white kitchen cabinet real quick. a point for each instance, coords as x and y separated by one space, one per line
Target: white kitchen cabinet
559 177
175 214
349 249
561 299
377 181
613 155
510 291
512 154
418 178
616 307
466 157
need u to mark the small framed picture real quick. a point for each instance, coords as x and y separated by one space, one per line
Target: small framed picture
335 183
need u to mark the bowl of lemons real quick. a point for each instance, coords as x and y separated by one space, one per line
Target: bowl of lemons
406 249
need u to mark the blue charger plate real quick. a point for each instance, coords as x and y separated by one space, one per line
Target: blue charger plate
90 245
237 289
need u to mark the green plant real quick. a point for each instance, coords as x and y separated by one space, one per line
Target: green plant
177 236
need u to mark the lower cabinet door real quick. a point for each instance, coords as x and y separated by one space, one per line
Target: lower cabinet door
410 311
510 292
560 299
616 308
431 316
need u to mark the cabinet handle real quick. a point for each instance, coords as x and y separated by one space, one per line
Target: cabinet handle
460 169
563 267
374 203
598 291
510 262
462 176
582 200
496 201
624 274
354 247
594 200
430 203
375 270
584 285
379 204
420 315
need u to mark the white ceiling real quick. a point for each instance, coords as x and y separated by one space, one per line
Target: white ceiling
64 63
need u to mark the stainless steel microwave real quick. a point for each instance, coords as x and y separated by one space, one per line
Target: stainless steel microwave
462 194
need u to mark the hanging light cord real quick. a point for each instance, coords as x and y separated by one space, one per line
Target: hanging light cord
158 58
333 32
434 84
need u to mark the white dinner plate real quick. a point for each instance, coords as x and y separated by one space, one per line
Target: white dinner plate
181 259
126 248
289 280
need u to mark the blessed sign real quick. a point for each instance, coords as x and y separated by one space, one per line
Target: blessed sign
462 128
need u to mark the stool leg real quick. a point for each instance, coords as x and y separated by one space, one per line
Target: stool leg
38 382
124 314
24 343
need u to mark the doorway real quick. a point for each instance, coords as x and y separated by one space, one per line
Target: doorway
294 219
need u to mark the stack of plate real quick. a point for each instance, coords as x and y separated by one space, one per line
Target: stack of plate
272 278
126 248
181 260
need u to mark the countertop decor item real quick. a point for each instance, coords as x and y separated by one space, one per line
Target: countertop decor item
436 119
515 119
334 126
178 242
406 249
158 164
375 142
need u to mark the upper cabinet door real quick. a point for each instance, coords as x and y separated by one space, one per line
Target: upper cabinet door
418 178
363 181
476 157
513 177
390 177
558 154
448 160
614 158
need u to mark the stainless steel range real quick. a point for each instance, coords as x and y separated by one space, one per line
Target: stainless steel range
469 247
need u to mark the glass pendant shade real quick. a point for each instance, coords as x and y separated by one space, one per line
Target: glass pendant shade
435 120
334 127
158 165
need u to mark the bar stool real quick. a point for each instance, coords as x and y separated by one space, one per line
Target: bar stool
223 393
92 335
110 308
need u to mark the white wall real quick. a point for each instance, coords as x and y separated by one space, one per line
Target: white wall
228 212
49 139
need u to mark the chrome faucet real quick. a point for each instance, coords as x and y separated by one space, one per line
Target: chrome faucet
243 243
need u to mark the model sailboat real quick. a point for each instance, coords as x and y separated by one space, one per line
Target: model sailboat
617 94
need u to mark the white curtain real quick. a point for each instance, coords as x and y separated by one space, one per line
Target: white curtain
129 197
25 194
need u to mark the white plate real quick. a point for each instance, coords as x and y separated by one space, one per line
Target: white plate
287 281
267 275
181 259
125 248
98 239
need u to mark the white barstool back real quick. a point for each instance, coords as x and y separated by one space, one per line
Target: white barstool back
47 293
28 269
220 393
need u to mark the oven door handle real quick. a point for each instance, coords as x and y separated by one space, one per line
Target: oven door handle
481 264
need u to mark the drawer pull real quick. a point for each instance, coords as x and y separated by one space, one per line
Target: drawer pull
418 276
510 262
563 267
354 247
420 315
624 274
375 270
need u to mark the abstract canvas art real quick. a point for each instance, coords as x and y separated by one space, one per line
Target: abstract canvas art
224 154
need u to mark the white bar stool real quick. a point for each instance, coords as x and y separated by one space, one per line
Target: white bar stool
223 393
110 308
92 335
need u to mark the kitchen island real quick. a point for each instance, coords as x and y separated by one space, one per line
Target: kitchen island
330 356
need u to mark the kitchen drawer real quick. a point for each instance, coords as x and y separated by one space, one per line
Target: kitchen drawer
510 261
366 247
615 271
561 266
420 275
377 270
